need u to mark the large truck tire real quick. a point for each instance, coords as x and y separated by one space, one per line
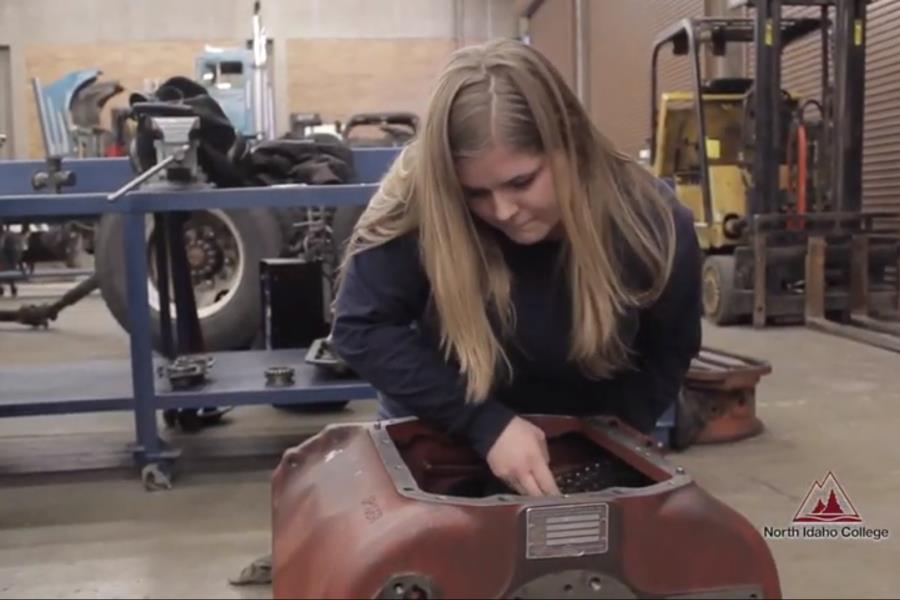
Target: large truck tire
225 249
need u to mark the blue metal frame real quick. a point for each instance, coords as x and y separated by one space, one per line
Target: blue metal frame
99 175
92 175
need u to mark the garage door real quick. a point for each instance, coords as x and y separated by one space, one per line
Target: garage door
621 39
881 135
552 30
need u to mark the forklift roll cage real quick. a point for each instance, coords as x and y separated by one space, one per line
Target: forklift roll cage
770 33
775 248
687 37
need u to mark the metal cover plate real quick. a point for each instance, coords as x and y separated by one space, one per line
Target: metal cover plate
566 531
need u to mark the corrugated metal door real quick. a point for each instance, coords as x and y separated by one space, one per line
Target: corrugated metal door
881 135
621 40
801 71
802 60
552 30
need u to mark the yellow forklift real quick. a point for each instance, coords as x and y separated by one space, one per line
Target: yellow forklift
775 180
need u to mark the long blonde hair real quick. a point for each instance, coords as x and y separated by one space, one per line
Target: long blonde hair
610 208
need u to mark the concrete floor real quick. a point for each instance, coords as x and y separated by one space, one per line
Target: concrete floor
89 530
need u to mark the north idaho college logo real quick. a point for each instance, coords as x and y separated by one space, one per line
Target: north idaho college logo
827 503
826 514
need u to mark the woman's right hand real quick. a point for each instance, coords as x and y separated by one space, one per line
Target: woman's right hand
520 458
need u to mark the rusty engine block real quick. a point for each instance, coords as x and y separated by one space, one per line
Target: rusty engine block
395 510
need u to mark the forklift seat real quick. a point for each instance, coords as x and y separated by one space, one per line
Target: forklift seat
728 85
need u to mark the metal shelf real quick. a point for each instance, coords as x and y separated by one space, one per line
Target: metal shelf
237 378
105 385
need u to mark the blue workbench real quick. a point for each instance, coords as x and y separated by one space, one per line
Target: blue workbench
237 378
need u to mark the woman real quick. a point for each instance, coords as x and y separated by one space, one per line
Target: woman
513 262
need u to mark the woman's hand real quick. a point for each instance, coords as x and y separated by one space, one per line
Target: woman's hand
520 458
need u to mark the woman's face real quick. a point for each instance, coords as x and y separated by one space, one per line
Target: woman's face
512 191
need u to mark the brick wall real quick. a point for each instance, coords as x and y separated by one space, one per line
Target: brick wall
337 78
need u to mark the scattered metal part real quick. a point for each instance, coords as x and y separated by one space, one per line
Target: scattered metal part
321 355
54 178
156 476
280 376
187 372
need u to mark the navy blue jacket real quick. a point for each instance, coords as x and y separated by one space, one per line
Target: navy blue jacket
386 329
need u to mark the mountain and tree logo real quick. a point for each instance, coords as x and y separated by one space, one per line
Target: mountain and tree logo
827 502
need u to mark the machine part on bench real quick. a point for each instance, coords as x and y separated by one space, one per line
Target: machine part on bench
187 372
54 178
280 377
223 248
321 355
431 506
576 583
409 586
157 476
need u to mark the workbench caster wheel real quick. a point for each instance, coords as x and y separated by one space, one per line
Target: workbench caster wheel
156 477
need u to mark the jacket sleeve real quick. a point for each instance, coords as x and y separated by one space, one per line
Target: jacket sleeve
671 327
384 292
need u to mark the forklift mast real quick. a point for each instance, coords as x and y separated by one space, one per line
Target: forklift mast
768 253
771 33
845 132
689 37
